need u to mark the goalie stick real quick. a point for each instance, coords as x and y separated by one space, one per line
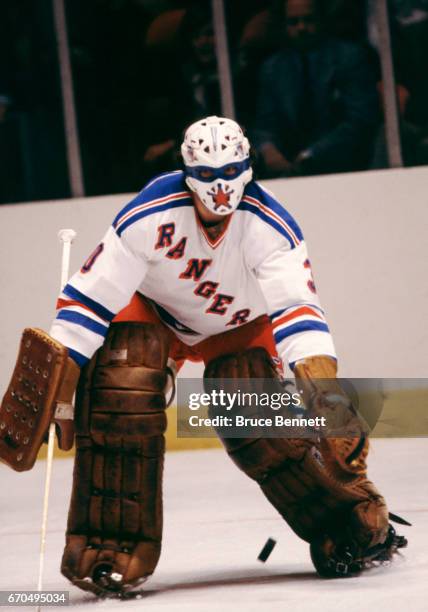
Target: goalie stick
66 236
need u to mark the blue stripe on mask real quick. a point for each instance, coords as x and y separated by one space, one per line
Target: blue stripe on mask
218 173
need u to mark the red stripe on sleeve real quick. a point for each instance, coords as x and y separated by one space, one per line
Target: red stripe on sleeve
297 313
61 303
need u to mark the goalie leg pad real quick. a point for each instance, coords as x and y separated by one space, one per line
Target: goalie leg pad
114 529
297 479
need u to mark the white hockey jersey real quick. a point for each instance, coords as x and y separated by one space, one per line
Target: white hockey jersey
199 287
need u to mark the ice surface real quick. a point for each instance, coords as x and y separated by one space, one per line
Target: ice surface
216 522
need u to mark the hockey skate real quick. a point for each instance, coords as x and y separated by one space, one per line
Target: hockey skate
344 560
108 584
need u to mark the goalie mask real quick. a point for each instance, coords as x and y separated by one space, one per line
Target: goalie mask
216 157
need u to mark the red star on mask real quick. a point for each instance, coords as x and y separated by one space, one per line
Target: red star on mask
221 198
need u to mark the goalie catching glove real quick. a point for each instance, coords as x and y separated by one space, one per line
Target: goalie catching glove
41 390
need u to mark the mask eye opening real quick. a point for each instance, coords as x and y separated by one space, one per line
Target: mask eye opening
231 170
205 173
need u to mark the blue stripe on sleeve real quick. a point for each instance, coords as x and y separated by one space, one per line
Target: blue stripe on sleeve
255 190
256 211
160 186
184 201
80 359
302 326
283 213
80 319
278 313
99 310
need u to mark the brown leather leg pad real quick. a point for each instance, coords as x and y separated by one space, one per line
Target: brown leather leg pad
115 518
308 496
297 478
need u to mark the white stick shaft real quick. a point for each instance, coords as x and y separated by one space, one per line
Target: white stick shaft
66 236
65 263
49 462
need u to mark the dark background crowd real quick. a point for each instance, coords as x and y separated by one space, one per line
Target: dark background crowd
306 77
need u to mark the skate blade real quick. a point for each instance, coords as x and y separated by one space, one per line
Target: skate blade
125 591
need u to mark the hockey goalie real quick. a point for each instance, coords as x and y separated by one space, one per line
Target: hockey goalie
204 264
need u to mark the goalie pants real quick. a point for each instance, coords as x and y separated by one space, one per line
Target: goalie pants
257 333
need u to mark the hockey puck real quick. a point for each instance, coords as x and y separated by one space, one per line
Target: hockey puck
266 550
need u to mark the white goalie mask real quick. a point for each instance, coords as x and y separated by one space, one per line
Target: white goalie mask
216 157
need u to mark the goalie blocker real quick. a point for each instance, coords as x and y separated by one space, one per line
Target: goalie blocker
41 389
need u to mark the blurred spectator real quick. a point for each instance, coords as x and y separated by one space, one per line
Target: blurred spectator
4 107
186 85
318 105
106 39
34 126
345 19
409 29
11 189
